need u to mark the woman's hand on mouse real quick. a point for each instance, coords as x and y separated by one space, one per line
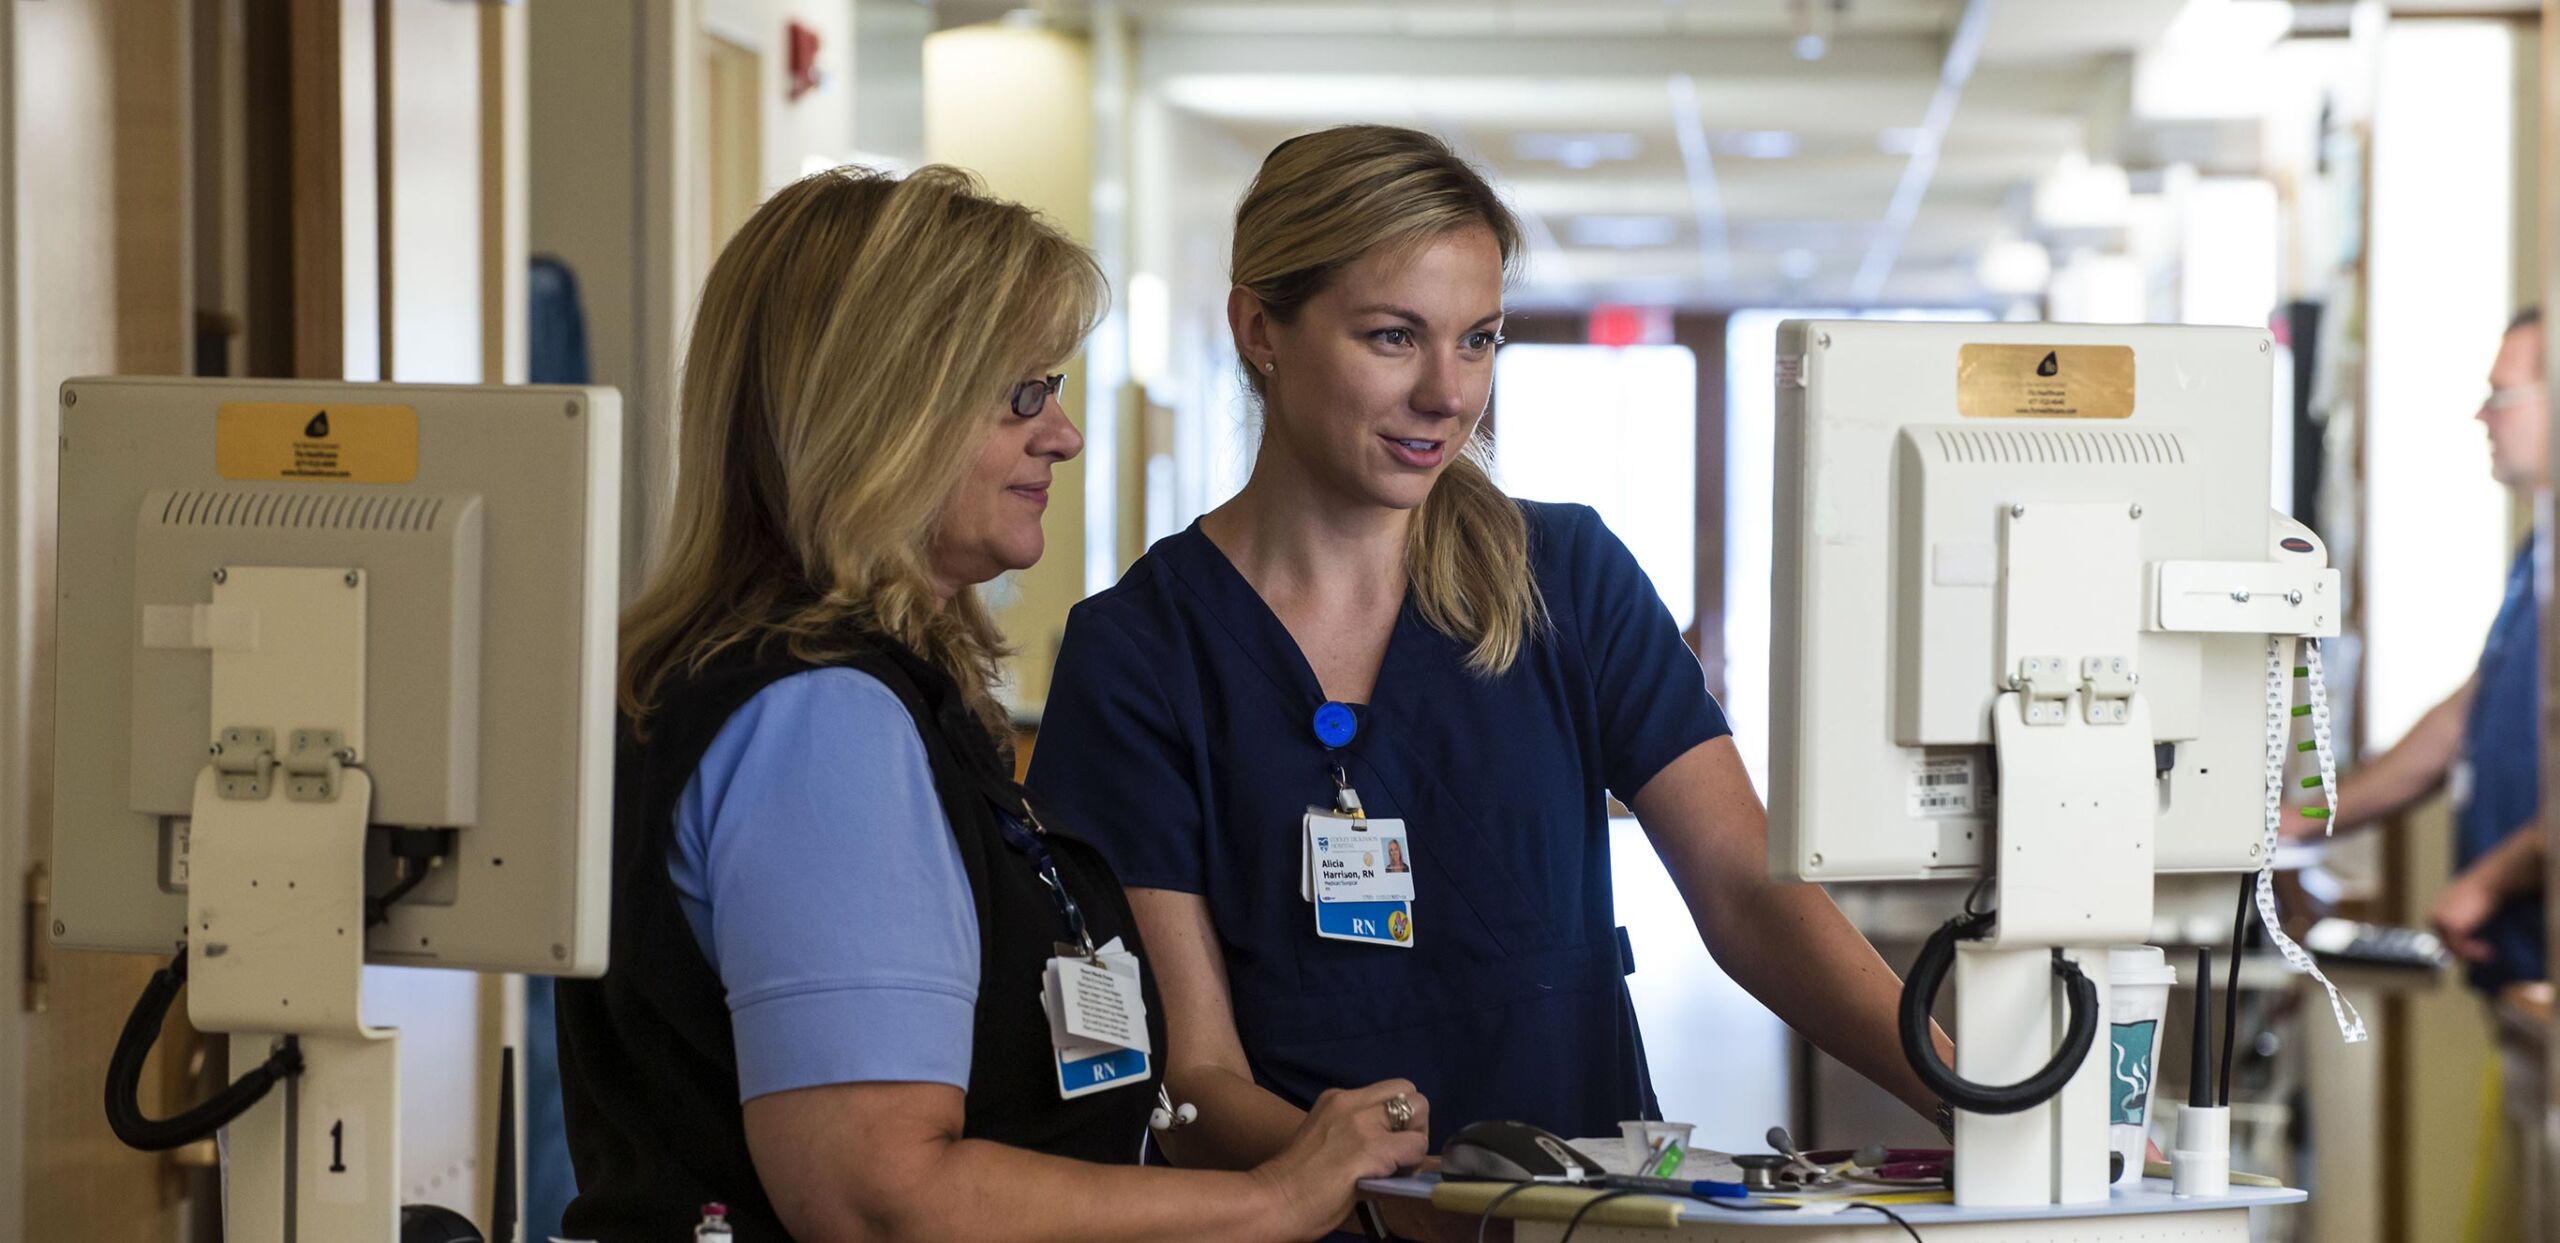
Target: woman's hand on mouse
1348 1136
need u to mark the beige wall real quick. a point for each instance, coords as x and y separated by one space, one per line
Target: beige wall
609 85
583 148
1032 141
819 124
432 80
2529 276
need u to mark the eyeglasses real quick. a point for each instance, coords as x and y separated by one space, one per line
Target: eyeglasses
1032 396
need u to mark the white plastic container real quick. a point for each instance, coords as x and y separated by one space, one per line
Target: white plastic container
2139 978
1642 1138
2200 1165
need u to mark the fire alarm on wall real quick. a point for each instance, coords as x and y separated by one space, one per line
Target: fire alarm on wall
802 43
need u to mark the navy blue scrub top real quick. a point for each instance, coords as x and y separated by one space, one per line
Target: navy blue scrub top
2502 745
1178 736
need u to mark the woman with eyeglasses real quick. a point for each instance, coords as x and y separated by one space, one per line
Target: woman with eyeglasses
1372 643
861 989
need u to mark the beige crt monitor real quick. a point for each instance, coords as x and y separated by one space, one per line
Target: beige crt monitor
481 524
1903 450
2032 620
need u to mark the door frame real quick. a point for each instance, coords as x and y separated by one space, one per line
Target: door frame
17 641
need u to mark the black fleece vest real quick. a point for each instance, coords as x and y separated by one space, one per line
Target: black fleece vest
649 1069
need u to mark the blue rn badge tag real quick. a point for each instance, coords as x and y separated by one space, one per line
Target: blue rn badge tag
1380 923
1097 1020
1083 1073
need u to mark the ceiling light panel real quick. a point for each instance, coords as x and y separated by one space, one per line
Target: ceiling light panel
1622 232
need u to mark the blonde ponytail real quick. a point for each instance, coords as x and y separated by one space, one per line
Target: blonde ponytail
1320 202
1467 558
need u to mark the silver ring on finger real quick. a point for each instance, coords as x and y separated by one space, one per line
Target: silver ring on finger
1400 1113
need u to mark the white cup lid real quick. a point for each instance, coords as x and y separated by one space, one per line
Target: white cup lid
2140 965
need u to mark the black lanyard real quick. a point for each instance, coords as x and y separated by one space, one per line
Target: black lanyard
1031 841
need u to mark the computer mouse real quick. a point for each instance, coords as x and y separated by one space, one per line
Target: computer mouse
1511 1152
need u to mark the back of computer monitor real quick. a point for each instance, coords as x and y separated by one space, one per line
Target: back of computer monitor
1901 449
483 524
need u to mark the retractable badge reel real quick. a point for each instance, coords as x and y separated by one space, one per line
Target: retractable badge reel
1356 871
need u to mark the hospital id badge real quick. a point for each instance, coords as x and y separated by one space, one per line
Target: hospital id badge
1358 874
1097 1020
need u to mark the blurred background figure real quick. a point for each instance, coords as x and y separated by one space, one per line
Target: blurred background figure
2481 748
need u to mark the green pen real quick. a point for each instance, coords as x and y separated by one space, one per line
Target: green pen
1668 1162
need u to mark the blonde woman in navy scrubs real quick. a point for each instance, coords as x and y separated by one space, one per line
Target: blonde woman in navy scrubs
1484 670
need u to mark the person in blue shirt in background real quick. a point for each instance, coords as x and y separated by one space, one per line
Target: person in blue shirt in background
2483 745
1372 619
832 909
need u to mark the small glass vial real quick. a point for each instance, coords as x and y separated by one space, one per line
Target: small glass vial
714 1227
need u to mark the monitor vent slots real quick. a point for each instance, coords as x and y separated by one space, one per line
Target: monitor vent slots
219 508
2092 448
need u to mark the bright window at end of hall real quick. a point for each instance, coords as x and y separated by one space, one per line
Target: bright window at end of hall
1615 428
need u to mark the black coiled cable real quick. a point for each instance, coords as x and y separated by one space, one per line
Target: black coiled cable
1920 995
124 1074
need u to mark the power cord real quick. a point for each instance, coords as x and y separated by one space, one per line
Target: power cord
1890 1215
1920 994
415 856
124 1074
1727 1204
2231 989
377 911
1574 1222
415 852
1485 1222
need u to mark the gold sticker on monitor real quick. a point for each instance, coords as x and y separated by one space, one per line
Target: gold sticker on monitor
2045 381
303 443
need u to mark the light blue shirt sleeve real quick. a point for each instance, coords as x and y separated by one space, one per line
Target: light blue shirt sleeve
815 865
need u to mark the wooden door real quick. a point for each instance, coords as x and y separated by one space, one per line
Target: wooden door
98 130
729 134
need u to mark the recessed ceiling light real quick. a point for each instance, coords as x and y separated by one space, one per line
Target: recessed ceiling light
2229 25
1758 144
2014 266
1813 23
1623 231
1574 150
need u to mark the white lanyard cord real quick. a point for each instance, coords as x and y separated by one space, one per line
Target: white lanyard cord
2279 719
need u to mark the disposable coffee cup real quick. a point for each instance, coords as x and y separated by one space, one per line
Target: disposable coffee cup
2139 978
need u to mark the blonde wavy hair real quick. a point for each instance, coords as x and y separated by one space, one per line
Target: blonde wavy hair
854 344
1322 201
